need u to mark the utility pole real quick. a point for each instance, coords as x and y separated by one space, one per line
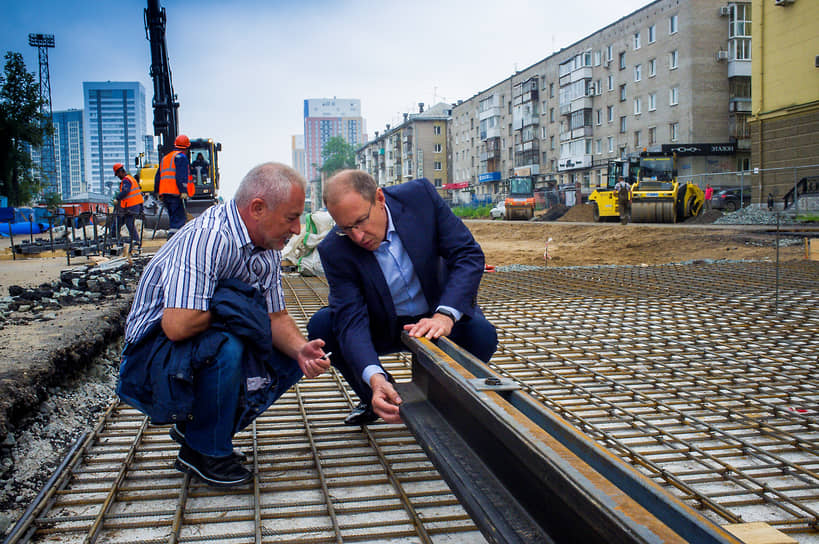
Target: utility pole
48 168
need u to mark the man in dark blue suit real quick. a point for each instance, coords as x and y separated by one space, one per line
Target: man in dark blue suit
397 259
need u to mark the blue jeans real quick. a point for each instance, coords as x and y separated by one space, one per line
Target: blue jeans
218 390
476 335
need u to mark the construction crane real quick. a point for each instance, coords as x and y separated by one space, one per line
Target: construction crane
204 152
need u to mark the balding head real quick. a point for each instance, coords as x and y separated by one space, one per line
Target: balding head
357 181
270 181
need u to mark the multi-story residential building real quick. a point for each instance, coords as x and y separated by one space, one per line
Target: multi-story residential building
114 124
785 122
325 118
297 154
151 150
416 148
671 75
69 152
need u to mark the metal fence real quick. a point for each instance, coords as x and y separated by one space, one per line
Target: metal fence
797 185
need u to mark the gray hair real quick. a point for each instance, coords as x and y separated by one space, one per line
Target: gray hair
270 181
357 181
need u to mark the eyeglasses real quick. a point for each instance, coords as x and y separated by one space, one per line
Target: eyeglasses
360 224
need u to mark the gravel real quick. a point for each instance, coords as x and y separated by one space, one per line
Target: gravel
39 441
753 215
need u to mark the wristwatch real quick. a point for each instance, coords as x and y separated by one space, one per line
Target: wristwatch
444 311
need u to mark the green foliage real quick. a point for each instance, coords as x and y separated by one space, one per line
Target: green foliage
20 123
468 212
52 200
337 155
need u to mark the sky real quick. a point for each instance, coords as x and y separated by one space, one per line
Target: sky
242 69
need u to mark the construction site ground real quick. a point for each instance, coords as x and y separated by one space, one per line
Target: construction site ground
564 243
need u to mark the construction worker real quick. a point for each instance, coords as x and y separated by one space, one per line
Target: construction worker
623 191
129 200
172 182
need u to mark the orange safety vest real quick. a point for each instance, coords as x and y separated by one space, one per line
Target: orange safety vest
167 174
134 196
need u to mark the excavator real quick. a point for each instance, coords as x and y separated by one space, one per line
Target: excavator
204 152
658 196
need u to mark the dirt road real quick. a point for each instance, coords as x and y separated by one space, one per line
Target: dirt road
576 244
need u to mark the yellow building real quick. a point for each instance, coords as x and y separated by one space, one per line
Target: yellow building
785 95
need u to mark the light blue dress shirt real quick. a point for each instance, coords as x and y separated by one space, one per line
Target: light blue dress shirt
402 281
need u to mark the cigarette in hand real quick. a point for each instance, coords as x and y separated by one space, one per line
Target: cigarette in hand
326 355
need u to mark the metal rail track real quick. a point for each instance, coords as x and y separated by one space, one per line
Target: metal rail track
701 376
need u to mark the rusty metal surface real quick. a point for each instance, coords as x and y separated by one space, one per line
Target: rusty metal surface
701 376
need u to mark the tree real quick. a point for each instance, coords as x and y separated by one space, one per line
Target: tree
21 128
336 155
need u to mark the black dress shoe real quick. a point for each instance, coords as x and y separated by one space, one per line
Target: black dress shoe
177 433
361 415
214 471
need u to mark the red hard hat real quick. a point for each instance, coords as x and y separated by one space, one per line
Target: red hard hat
117 166
182 141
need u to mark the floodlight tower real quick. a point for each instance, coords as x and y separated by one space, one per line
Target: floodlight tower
48 168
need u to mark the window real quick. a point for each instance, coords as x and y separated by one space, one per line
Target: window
636 40
672 24
637 142
436 130
638 106
652 34
610 82
623 60
598 117
597 57
551 142
609 56
623 151
588 147
739 32
673 131
436 148
652 135
437 166
674 96
652 101
623 125
611 144
437 182
551 115
638 72
622 92
673 58
652 67
598 144
610 113
598 87
551 90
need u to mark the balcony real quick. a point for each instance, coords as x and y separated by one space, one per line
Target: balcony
493 111
581 132
574 162
739 68
581 103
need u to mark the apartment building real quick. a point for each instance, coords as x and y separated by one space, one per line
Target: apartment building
671 76
114 121
785 122
417 148
325 118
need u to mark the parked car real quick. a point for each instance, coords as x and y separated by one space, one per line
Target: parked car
728 199
498 211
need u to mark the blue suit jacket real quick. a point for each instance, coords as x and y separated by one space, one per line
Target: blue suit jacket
447 259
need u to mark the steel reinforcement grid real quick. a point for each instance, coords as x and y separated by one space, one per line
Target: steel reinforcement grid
702 376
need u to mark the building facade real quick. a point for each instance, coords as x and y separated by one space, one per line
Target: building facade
417 148
785 122
325 118
298 159
670 75
114 128
69 152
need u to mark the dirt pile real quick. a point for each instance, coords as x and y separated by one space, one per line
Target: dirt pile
583 213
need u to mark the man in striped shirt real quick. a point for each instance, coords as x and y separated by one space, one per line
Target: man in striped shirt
171 315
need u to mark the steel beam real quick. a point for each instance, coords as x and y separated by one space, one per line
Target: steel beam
521 471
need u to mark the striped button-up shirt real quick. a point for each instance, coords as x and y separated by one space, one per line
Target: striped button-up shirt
185 271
